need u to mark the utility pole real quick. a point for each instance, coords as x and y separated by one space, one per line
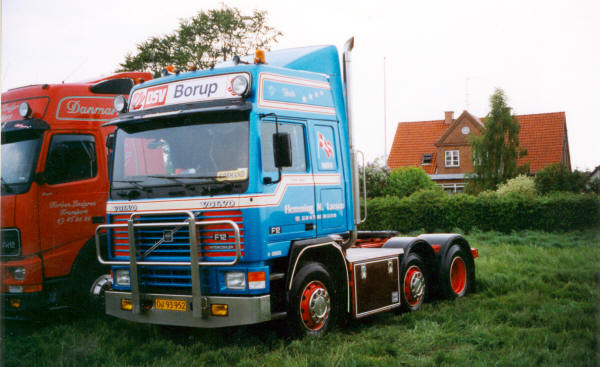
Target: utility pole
385 151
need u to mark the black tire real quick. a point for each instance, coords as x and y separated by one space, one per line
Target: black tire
457 273
414 282
85 272
312 284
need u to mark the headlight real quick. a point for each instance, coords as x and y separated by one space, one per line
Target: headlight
122 277
235 280
239 85
11 242
19 273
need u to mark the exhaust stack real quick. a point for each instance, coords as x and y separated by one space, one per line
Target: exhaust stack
347 60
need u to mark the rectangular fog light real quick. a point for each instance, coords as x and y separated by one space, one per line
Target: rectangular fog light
15 302
219 310
126 304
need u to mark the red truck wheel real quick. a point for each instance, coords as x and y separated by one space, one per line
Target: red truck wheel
311 308
415 282
457 274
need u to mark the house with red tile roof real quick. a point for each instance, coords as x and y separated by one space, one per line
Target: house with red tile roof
442 149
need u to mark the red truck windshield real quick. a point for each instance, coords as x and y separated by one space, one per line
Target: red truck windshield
17 172
198 159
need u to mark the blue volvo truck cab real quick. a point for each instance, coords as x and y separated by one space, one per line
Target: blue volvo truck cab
234 200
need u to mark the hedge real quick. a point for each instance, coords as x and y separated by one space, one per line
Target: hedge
432 211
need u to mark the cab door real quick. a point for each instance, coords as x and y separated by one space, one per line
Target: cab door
293 216
72 196
328 177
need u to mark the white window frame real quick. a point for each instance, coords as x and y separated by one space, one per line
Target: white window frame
452 158
453 188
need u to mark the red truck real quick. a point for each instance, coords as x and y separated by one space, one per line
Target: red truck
54 189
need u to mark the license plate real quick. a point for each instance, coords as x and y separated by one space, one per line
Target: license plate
170 304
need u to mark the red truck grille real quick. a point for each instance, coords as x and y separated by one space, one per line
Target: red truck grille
216 242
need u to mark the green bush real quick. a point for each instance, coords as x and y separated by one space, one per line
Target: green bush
405 181
557 177
376 174
520 185
430 211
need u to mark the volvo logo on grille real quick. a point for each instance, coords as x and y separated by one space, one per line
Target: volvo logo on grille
168 235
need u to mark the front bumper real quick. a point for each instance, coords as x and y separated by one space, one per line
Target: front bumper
241 310
20 305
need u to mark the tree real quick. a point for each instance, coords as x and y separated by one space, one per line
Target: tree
496 151
377 175
405 181
202 41
557 177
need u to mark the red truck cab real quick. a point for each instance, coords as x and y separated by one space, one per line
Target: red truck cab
54 188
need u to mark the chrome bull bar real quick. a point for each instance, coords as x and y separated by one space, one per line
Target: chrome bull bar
199 302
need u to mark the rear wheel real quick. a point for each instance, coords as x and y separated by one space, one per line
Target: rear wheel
458 274
312 307
415 282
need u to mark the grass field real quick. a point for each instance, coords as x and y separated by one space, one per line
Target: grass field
536 305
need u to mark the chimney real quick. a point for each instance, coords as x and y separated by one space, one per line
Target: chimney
448 117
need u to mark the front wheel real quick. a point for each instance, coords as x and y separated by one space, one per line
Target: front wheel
414 282
312 307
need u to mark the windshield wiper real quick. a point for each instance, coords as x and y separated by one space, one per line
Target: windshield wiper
135 183
186 185
178 179
7 185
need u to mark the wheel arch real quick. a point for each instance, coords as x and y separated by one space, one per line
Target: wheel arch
415 245
446 241
325 251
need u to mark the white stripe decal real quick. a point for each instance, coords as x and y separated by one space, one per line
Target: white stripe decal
225 202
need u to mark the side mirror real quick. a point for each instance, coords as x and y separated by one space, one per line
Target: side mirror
110 141
282 150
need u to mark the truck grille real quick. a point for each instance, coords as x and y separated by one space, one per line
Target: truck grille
216 242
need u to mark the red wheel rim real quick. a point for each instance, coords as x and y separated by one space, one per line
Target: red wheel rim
414 286
315 305
458 275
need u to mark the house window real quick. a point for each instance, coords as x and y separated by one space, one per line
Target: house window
427 158
452 158
453 188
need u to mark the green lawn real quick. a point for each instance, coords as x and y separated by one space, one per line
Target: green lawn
536 305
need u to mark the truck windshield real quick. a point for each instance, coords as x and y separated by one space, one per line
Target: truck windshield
187 158
20 150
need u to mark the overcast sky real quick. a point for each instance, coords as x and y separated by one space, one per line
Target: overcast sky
439 55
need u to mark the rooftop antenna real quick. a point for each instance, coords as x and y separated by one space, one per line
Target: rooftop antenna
467 93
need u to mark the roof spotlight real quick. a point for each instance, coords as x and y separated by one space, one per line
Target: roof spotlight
120 104
239 85
25 110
